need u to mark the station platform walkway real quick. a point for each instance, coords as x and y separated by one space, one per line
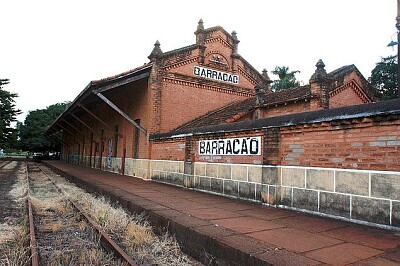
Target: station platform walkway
227 231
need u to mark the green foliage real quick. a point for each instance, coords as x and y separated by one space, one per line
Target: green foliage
286 80
8 114
35 124
384 77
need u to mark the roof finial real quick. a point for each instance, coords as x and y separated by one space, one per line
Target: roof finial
200 33
265 73
235 43
200 25
320 84
320 73
234 35
320 64
156 53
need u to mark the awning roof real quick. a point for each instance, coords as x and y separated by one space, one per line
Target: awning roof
88 99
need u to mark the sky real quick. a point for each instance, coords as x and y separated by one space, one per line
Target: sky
50 50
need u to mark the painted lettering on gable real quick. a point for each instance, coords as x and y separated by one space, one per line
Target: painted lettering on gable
234 146
215 75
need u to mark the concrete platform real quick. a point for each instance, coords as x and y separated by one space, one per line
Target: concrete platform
241 233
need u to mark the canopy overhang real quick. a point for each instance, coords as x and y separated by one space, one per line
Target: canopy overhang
92 96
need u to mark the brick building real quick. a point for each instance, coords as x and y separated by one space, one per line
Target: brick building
202 117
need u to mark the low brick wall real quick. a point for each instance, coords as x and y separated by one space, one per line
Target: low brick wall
371 196
359 195
137 167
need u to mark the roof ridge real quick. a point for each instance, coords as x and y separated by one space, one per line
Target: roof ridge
345 69
180 49
97 81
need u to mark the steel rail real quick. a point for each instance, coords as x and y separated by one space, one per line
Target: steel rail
106 241
32 242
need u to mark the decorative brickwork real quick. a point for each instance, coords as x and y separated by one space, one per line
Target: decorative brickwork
189 61
350 93
224 89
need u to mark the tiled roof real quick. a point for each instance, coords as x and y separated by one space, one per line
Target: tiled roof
338 74
120 75
180 50
288 95
338 80
220 116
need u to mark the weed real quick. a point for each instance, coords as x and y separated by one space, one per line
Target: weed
13 251
132 230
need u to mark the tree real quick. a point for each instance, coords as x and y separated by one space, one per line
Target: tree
35 124
8 114
384 77
286 80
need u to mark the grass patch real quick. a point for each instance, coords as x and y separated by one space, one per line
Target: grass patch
132 231
62 237
14 232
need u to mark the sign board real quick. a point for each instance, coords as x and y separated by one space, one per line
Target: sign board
233 146
215 75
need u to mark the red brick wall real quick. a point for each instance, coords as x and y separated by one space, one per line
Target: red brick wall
185 97
173 150
357 144
181 104
365 143
345 98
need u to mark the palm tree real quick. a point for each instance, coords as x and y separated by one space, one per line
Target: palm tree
286 80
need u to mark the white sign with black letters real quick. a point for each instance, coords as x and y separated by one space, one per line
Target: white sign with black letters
233 146
215 75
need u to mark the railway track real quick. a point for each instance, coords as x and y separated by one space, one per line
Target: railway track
71 227
61 233
46 220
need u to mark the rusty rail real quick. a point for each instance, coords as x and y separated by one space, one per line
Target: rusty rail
107 243
32 242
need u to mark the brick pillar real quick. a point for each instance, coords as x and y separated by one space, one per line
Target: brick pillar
271 191
235 56
320 86
271 146
189 161
155 85
200 41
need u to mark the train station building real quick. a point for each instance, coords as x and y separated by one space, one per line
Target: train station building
202 117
